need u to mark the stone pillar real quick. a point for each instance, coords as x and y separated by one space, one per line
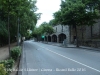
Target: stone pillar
44 39
57 39
47 39
51 38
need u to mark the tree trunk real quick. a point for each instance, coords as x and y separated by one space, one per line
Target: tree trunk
77 42
8 31
0 42
70 33
8 35
91 32
82 40
18 33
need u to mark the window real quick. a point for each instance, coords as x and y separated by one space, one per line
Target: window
56 29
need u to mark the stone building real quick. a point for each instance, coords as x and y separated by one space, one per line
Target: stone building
87 35
61 32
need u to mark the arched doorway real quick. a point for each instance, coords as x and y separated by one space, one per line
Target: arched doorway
61 37
54 38
45 38
49 38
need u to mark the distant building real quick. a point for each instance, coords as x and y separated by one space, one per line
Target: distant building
61 33
87 35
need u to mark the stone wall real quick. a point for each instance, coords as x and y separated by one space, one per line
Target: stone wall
93 39
87 35
59 29
84 34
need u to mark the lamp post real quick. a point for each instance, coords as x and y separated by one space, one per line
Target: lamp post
8 30
18 33
18 27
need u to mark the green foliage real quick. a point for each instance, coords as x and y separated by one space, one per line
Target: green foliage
2 70
58 18
7 63
37 31
22 9
52 22
44 28
78 12
15 53
3 29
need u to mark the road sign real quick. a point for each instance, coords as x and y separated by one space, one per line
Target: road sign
42 36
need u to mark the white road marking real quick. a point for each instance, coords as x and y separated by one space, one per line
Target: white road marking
72 59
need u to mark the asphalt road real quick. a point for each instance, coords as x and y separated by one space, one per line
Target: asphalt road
44 59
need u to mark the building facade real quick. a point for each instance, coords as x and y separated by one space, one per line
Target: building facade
87 35
61 32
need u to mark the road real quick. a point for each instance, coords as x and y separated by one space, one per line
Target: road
44 59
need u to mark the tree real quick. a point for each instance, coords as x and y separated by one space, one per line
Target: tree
52 22
24 10
3 30
19 14
44 29
76 13
58 18
37 33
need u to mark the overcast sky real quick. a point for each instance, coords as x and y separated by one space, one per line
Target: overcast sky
47 8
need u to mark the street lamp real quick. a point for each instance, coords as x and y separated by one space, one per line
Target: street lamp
8 30
18 33
18 26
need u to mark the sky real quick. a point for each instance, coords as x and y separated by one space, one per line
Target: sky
47 8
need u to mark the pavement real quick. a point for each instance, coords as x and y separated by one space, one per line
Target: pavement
45 59
4 52
72 46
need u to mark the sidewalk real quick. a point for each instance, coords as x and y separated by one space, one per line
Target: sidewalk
72 46
90 48
4 52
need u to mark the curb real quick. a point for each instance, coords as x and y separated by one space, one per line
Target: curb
95 49
23 64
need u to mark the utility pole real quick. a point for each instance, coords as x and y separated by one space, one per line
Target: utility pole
8 30
18 33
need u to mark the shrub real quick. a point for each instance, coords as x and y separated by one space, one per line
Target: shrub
15 52
8 63
2 70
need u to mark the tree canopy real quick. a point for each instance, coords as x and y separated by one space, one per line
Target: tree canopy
77 13
19 11
44 29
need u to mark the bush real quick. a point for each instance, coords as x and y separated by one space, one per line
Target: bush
2 70
15 53
8 63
